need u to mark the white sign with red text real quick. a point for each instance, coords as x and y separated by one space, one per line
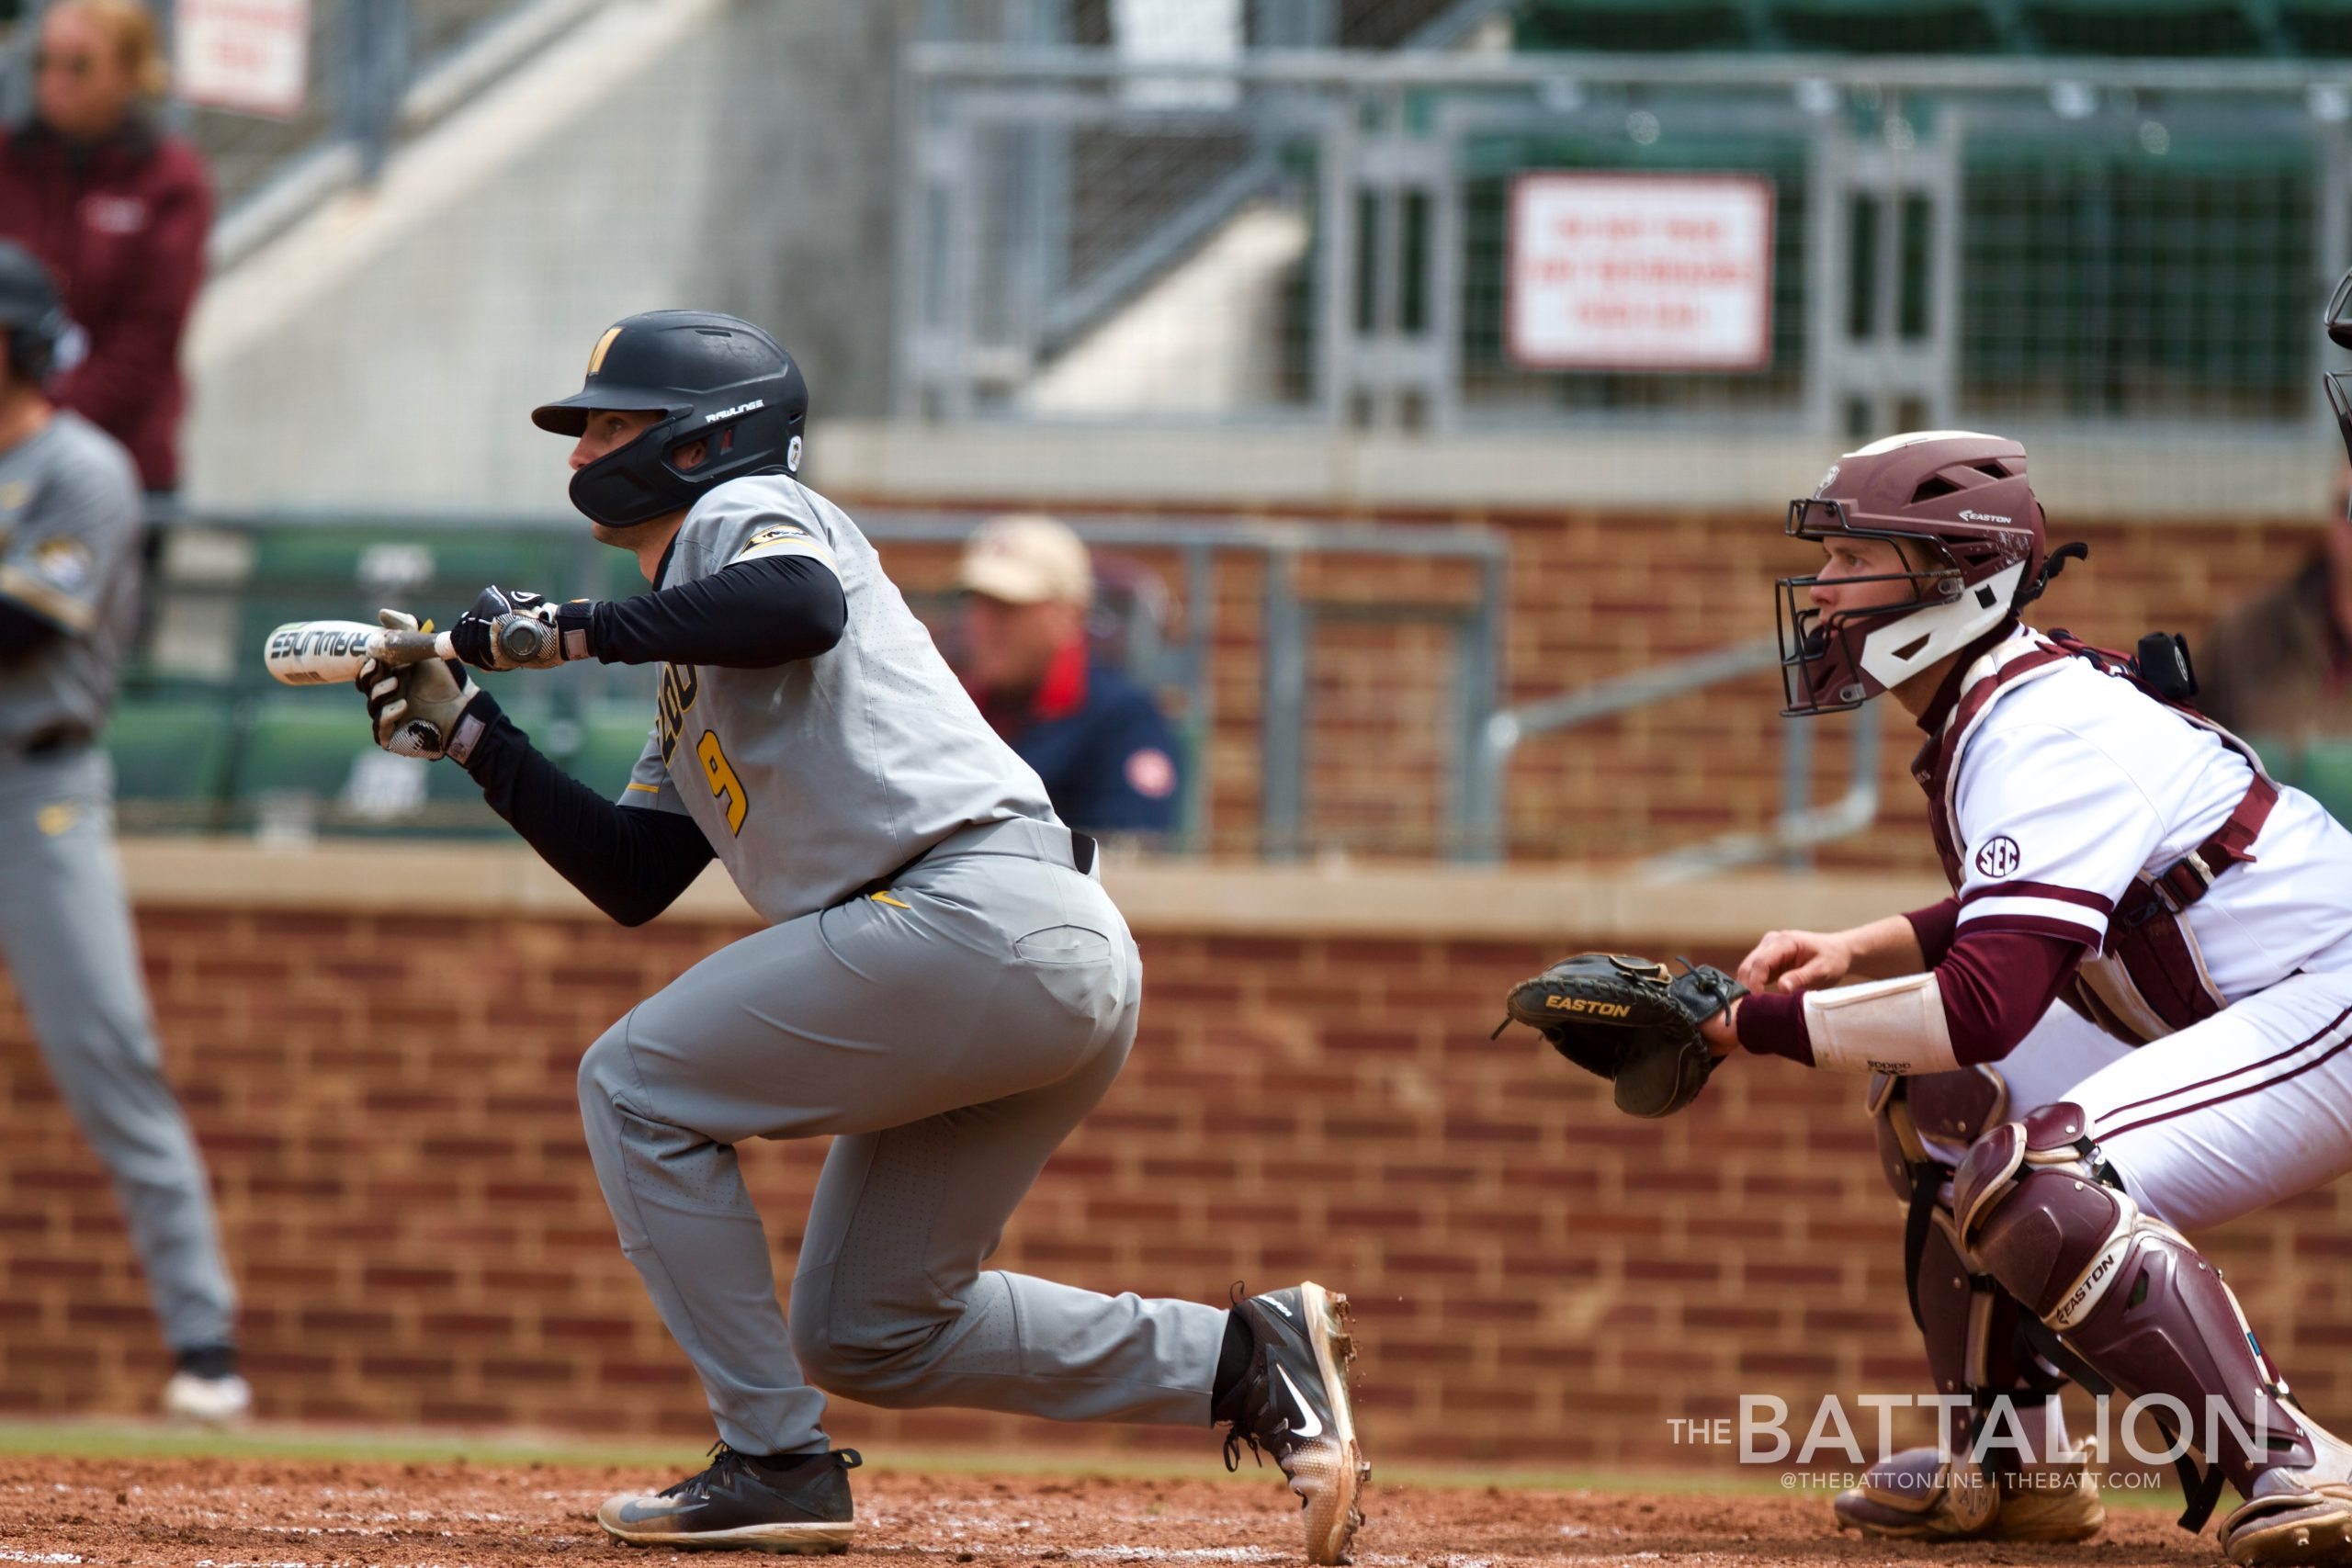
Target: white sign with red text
1640 271
253 56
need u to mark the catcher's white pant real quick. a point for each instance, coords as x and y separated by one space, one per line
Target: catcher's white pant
2219 1119
948 1035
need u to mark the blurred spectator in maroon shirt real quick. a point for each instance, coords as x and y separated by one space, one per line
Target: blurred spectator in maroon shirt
119 211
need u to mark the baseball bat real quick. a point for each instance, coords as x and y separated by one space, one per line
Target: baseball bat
319 653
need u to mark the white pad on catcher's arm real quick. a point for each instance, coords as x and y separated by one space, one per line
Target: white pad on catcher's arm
1883 1026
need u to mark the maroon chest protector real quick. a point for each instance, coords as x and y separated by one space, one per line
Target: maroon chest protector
2148 980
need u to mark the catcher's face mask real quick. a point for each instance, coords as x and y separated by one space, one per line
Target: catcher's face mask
2338 322
1836 658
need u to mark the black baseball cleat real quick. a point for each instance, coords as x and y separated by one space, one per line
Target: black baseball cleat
741 1504
1291 1400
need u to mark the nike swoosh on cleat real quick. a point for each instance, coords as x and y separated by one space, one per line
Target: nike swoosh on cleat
636 1514
1310 1425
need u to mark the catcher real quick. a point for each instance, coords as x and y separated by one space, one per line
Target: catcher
2106 847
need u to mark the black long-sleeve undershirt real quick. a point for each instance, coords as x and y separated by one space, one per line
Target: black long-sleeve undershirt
633 862
23 632
751 615
630 861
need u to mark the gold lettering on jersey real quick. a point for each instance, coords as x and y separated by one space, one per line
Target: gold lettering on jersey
681 684
724 785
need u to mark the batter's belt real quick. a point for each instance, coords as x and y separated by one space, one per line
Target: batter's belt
1025 837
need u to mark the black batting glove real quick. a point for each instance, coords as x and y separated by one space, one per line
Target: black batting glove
517 629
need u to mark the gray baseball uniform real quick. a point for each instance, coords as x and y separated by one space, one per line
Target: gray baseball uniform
949 1029
69 535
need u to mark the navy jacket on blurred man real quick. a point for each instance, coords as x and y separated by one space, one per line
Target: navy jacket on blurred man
1093 733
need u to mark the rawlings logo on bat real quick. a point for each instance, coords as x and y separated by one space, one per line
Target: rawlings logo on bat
312 642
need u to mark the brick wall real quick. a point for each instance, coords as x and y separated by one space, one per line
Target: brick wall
387 1105
1592 596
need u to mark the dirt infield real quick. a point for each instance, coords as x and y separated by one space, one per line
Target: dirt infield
244 1513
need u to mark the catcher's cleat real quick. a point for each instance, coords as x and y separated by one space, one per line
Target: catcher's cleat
1914 1495
1293 1401
741 1504
2304 1527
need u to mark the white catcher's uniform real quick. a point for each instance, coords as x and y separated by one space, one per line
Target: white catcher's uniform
2060 792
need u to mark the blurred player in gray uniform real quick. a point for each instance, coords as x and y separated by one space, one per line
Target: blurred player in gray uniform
943 986
69 601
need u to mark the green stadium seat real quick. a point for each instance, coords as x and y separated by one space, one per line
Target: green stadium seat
1889 27
171 758
353 556
2144 28
338 573
301 743
309 555
1640 25
612 736
308 757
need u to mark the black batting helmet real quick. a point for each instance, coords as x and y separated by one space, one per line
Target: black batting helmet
713 377
31 311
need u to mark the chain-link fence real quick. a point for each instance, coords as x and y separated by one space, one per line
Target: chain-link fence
2119 253
363 55
244 149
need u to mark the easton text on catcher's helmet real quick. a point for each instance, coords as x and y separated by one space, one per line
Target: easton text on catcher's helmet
714 377
1976 539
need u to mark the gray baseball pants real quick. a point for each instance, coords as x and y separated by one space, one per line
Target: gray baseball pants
66 935
947 1035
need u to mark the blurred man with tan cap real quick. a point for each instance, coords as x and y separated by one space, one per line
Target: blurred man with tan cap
1091 732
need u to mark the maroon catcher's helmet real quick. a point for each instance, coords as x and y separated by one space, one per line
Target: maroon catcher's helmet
1964 498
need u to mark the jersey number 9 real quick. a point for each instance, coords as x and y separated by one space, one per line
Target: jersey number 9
724 784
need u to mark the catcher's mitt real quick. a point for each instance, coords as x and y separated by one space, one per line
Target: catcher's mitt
1631 1020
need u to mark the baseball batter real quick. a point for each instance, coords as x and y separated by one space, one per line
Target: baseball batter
69 594
941 985
2108 848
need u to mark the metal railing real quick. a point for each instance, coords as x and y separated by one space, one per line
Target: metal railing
1287 625
1800 826
2124 251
